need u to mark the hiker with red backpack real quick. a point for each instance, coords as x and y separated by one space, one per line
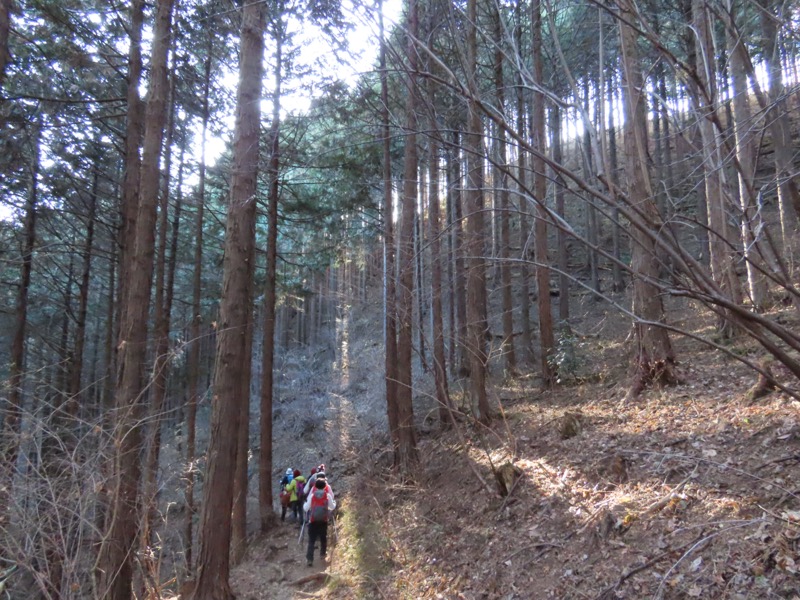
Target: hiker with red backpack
316 472
319 507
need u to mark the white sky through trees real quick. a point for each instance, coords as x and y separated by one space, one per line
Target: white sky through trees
316 49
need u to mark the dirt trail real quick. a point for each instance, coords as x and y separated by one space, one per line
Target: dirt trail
337 409
275 562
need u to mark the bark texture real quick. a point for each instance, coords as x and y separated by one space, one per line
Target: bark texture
193 359
115 560
268 348
213 562
389 290
654 357
406 454
475 246
540 193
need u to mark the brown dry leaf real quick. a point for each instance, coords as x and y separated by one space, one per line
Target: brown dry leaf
791 515
694 592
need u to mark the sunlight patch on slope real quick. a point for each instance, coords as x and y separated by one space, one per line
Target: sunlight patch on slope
343 342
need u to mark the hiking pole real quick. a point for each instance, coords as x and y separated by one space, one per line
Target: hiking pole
302 531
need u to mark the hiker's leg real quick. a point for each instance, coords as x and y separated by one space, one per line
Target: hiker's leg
312 538
323 539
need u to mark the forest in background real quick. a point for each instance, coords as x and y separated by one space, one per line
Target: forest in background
500 159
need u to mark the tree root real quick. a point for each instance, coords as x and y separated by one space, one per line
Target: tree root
656 373
320 577
765 384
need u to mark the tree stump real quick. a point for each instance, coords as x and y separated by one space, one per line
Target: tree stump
506 476
570 425
765 384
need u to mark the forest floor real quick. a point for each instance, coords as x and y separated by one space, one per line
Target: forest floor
689 491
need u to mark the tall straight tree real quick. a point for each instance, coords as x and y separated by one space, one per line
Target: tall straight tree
240 479
9 434
419 261
592 225
134 129
721 247
406 454
502 190
111 310
76 362
475 236
611 168
562 252
455 195
193 359
389 289
213 565
115 560
523 293
161 318
268 348
655 358
439 360
771 14
752 225
538 136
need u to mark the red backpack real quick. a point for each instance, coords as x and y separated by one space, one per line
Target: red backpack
319 506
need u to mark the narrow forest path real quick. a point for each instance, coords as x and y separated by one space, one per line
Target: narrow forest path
274 563
334 408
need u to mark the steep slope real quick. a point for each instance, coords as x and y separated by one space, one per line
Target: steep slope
688 492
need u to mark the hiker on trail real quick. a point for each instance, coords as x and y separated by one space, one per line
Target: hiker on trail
310 481
318 472
322 477
319 506
287 477
285 496
296 485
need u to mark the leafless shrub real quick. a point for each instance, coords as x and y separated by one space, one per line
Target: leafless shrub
54 521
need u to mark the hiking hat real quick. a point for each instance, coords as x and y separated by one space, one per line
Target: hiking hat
320 483
321 467
321 475
297 472
288 471
314 470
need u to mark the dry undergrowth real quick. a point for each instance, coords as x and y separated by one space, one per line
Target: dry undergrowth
688 492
